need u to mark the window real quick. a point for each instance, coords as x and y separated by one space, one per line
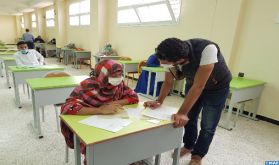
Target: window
148 11
50 18
22 22
79 13
34 23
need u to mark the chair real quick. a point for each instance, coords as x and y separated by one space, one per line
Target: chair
59 74
133 73
48 48
81 56
141 64
125 58
55 74
58 54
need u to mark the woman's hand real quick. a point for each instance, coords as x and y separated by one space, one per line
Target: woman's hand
110 108
152 104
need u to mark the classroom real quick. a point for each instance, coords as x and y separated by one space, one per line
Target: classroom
139 82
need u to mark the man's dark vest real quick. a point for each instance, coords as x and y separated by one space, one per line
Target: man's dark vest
220 76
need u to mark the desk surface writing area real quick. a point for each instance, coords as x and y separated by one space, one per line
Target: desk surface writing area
8 58
241 83
93 135
55 82
36 68
7 53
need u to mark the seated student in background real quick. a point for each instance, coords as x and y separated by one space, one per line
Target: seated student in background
27 57
101 94
39 47
143 78
52 41
39 39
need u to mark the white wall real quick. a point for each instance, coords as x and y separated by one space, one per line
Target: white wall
8 29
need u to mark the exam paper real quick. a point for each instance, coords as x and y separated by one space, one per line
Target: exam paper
161 113
109 124
135 112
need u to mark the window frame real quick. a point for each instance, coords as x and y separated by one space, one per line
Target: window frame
33 21
50 19
22 22
80 14
150 23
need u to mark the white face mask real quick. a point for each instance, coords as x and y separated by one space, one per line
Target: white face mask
24 51
115 80
167 66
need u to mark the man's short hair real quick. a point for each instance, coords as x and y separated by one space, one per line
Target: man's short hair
21 43
172 49
27 30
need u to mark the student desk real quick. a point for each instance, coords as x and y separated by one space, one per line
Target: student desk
129 66
80 54
102 57
7 49
159 77
137 141
3 55
8 61
66 53
51 90
20 74
242 90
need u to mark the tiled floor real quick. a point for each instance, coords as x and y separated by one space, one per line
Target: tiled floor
249 143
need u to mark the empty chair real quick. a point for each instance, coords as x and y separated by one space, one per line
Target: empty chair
56 74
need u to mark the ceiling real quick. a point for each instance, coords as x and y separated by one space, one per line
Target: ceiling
17 7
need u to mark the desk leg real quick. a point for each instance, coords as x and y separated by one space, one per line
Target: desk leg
17 98
157 159
148 83
36 116
28 92
77 150
1 68
176 156
255 109
227 124
89 155
76 61
7 77
155 86
124 73
34 109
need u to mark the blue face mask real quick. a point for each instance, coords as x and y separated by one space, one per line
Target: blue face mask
25 51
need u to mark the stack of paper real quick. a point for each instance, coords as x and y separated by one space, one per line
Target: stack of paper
161 113
109 124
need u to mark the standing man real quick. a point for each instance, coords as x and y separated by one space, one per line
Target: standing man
207 76
29 39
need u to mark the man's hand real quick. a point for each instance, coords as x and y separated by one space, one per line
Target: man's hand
152 104
180 120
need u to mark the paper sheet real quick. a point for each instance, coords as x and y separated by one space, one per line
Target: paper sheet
109 124
161 113
134 112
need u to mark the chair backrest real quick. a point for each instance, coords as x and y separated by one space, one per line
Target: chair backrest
141 64
125 58
57 74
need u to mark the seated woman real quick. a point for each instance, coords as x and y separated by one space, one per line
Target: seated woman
143 78
101 94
